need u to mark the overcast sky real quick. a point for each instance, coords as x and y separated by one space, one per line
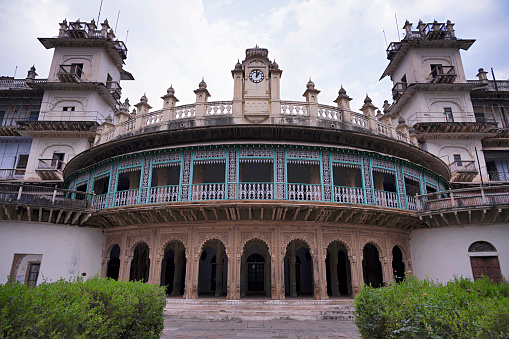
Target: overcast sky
335 42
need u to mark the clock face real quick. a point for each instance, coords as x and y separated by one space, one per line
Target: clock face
256 75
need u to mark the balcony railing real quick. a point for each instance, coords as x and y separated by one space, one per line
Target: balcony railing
19 83
256 190
328 116
79 29
442 74
304 192
463 166
70 73
214 191
100 201
50 165
350 195
468 197
12 173
164 194
114 88
498 175
398 90
386 199
431 117
44 196
72 116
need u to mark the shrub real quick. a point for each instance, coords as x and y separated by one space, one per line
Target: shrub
96 308
424 309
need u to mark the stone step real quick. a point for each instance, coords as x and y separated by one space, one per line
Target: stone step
259 310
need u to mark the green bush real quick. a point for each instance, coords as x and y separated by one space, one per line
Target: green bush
425 309
95 308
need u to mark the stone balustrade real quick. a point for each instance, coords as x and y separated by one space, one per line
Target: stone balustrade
339 118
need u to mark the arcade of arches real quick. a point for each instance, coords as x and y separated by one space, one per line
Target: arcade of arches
273 262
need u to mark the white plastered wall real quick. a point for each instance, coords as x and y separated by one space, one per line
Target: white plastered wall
67 251
442 253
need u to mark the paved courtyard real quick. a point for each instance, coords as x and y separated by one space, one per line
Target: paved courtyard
294 329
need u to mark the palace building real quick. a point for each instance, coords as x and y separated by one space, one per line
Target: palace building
257 195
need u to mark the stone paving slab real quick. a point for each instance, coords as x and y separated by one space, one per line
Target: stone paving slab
288 329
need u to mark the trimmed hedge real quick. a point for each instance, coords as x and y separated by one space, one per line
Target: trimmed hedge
95 308
425 309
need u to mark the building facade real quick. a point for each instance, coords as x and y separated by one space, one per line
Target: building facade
256 195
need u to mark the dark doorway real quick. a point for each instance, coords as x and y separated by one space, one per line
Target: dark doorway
173 268
398 266
114 263
371 266
140 265
255 273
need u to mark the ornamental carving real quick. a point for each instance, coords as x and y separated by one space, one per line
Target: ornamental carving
346 157
302 153
265 237
169 156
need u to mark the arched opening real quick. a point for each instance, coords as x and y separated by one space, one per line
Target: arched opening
140 265
298 268
173 268
255 269
212 272
338 270
484 261
113 263
371 266
398 266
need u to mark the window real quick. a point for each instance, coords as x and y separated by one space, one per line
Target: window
2 116
207 173
129 180
21 165
479 117
457 159
77 69
484 261
101 185
68 109
57 162
34 116
33 273
448 114
436 69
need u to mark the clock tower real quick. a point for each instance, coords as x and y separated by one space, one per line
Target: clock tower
256 85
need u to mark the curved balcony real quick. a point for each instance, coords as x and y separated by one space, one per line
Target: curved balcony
214 114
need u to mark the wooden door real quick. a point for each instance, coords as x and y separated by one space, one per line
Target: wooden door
488 266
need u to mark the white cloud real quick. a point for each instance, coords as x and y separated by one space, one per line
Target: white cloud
177 42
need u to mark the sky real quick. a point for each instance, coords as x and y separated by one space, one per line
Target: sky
177 42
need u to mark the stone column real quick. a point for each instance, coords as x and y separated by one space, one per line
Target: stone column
269 283
291 270
243 273
177 261
219 269
333 266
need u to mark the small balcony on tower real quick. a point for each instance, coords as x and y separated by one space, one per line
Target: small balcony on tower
51 169
463 171
114 88
70 73
398 90
442 74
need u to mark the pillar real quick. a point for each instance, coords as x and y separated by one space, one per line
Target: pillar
219 269
177 261
243 274
291 270
311 95
333 263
